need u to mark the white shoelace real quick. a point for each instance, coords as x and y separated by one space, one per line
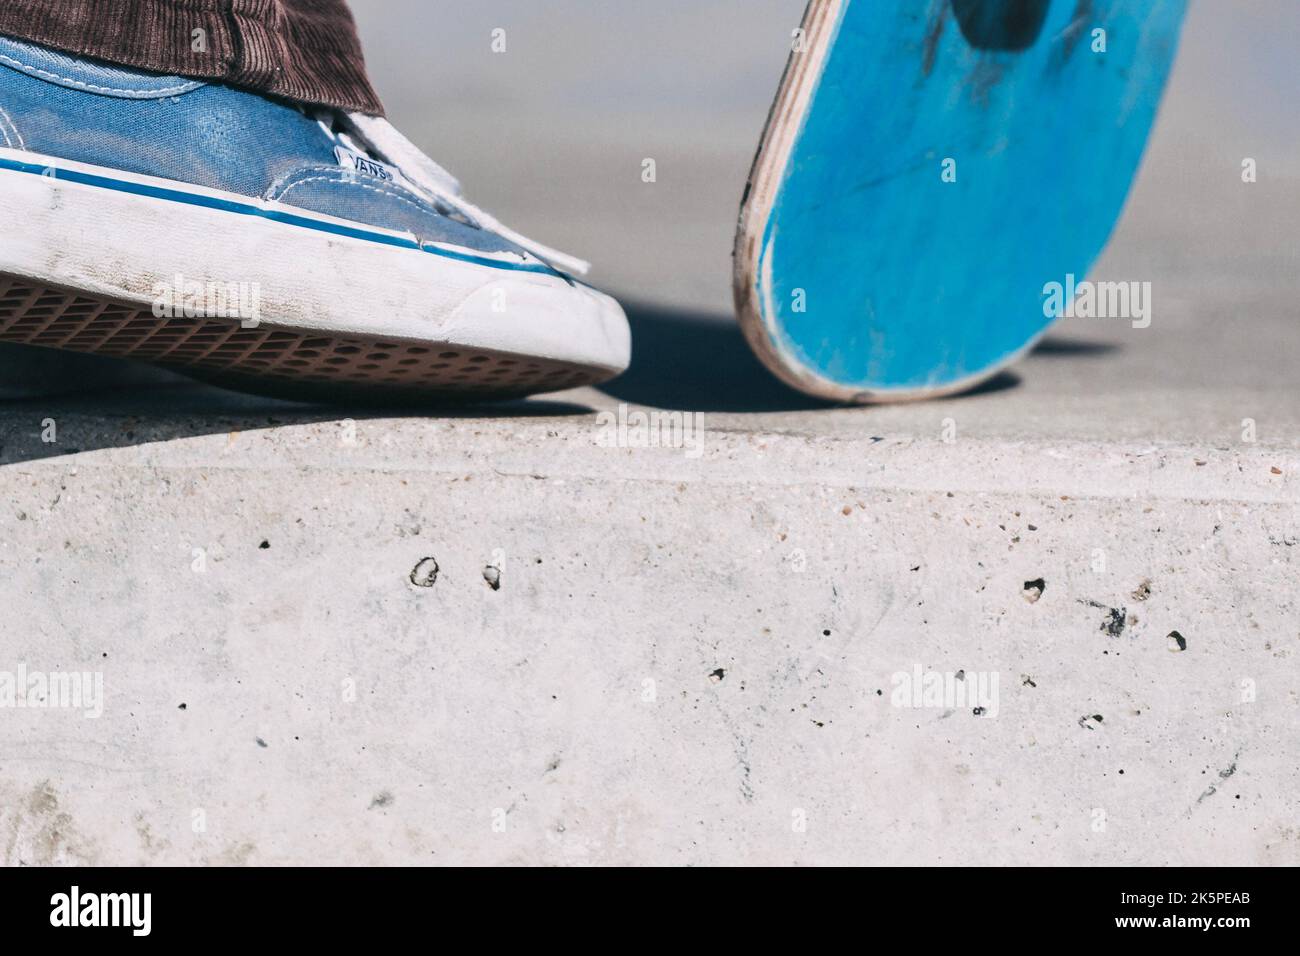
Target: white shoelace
436 183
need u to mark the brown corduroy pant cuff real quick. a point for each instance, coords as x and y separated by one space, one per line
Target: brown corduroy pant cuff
302 50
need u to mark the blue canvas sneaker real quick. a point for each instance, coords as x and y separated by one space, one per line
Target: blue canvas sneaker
258 244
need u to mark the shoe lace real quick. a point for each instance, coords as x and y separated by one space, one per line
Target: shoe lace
437 184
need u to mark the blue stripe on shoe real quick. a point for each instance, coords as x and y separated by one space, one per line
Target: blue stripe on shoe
248 209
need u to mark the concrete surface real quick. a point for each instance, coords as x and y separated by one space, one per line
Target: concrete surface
692 653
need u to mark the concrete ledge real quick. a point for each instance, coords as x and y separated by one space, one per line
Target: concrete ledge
686 659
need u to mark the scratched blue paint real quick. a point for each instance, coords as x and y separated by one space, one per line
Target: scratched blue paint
910 282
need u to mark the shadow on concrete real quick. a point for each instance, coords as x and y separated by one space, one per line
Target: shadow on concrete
681 360
1058 347
698 362
109 403
701 362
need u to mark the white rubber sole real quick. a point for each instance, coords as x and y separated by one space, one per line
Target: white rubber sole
91 254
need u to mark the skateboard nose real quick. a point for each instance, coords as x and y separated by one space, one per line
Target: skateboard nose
1001 24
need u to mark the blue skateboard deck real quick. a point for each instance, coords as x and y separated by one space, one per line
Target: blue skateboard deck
928 168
